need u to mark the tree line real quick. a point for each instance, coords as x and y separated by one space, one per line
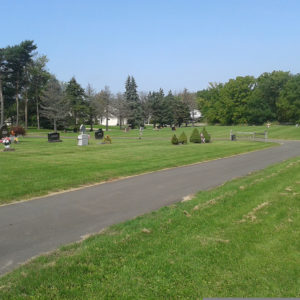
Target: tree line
272 96
31 96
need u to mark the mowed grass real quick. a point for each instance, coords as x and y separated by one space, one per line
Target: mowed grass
38 167
238 240
285 132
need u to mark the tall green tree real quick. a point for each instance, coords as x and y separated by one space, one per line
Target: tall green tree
2 74
169 109
18 58
181 112
75 96
208 100
157 104
135 113
38 78
288 104
234 97
268 89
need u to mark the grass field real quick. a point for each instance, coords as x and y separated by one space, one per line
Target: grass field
217 132
238 240
38 167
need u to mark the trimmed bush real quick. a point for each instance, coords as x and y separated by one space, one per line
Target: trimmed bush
195 137
17 130
206 135
182 138
174 140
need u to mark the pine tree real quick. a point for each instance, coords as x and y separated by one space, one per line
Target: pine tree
75 95
182 138
195 137
134 107
174 140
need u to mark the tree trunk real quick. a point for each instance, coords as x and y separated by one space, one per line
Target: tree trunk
17 102
37 113
106 122
55 129
193 118
120 122
1 104
26 111
91 123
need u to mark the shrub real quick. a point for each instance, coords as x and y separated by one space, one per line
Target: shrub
107 139
182 139
174 140
195 137
206 135
17 130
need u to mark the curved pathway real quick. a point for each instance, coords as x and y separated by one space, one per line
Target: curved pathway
30 228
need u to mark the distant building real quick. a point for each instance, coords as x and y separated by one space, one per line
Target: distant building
196 114
112 121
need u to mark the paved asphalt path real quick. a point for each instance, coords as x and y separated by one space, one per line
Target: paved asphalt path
30 228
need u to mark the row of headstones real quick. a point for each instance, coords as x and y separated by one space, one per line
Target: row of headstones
82 139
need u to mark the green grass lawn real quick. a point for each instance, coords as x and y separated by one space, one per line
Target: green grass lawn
238 240
38 167
217 132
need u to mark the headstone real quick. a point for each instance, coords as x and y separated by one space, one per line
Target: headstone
99 134
173 128
82 129
202 138
83 139
53 137
141 131
4 132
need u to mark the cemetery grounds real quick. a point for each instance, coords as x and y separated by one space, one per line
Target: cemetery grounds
37 167
238 240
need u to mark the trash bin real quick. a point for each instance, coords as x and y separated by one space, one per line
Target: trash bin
233 137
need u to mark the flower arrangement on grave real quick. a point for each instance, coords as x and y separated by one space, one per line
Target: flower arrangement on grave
6 142
205 135
107 139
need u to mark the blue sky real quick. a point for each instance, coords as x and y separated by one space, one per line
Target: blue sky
169 44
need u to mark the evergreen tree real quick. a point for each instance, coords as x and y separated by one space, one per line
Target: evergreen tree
135 113
182 138
174 140
181 112
195 136
75 96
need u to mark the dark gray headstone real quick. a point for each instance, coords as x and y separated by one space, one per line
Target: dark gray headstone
53 137
99 134
4 131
